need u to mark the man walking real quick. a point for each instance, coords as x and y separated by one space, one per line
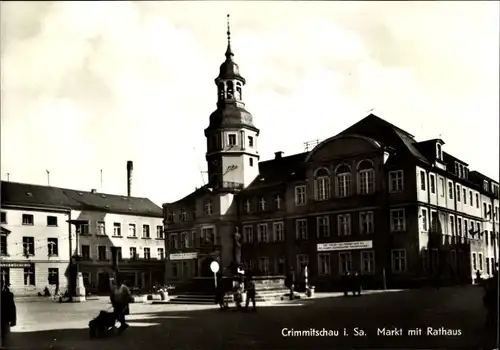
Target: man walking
8 312
120 299
250 289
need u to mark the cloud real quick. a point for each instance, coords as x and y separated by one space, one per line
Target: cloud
89 85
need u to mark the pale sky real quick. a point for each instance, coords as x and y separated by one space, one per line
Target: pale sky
89 85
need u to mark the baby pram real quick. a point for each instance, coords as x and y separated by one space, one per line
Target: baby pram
103 325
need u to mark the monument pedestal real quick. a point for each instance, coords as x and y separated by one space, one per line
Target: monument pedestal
80 294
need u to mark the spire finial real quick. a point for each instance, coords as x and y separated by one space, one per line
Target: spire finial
229 52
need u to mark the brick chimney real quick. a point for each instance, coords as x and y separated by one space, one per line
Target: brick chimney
130 169
278 155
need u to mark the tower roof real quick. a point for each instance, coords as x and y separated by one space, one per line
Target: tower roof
229 69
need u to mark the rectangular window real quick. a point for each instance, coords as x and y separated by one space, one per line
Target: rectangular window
247 206
367 261
300 195
480 258
132 232
28 219
147 253
3 220
398 260
345 262
85 250
250 141
161 253
452 225
424 220
51 220
264 265
485 210
53 276
398 221
466 228
250 161
86 279
194 242
174 241
262 233
159 232
464 191
442 187
344 224
459 226
471 200
323 226
102 253
366 181
396 181
277 201
432 183
231 139
262 204
29 275
486 237
366 224
458 193
117 229
208 236
302 261
82 228
133 253
184 240
344 185
280 265
28 246
101 228
477 200
324 264
450 190
422 180
301 229
184 216
278 232
489 211
248 234
474 262
487 264
52 247
208 208
145 231
3 245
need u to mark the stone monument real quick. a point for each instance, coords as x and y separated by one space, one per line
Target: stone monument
80 289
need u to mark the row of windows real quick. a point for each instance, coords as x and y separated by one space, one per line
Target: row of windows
478 264
180 240
29 219
29 246
29 275
84 229
263 204
102 253
345 263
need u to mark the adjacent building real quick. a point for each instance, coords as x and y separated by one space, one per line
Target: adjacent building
370 199
50 233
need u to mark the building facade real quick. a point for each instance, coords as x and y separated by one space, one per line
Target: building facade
50 234
370 199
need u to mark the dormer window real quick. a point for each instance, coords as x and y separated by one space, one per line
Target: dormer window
262 204
439 152
485 185
277 201
232 139
208 207
247 206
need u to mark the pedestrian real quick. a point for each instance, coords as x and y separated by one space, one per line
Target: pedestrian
237 293
120 299
219 293
346 283
250 289
356 282
8 312
291 282
478 277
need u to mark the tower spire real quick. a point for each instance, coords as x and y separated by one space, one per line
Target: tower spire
229 52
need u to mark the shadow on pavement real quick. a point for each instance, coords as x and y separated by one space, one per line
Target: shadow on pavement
326 323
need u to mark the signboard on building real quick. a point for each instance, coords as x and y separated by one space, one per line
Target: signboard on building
183 256
325 247
14 264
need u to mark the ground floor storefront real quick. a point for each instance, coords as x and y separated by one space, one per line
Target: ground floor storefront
141 275
28 278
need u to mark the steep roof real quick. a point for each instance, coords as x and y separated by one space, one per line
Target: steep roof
276 171
387 134
21 194
192 196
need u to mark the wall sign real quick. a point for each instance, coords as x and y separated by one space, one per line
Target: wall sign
325 247
14 265
183 256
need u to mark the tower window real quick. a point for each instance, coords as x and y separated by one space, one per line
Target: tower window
232 139
250 141
230 90
221 91
238 91
251 161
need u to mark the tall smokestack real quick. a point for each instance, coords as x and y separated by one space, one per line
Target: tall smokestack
130 169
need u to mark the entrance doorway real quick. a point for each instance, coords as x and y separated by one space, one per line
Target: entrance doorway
103 282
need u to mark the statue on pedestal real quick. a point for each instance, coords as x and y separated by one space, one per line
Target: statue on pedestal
236 248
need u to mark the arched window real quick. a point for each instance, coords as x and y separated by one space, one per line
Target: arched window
221 91
238 91
343 177
321 184
366 177
230 90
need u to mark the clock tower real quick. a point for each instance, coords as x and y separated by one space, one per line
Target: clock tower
232 155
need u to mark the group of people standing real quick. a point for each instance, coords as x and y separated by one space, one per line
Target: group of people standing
240 285
351 282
